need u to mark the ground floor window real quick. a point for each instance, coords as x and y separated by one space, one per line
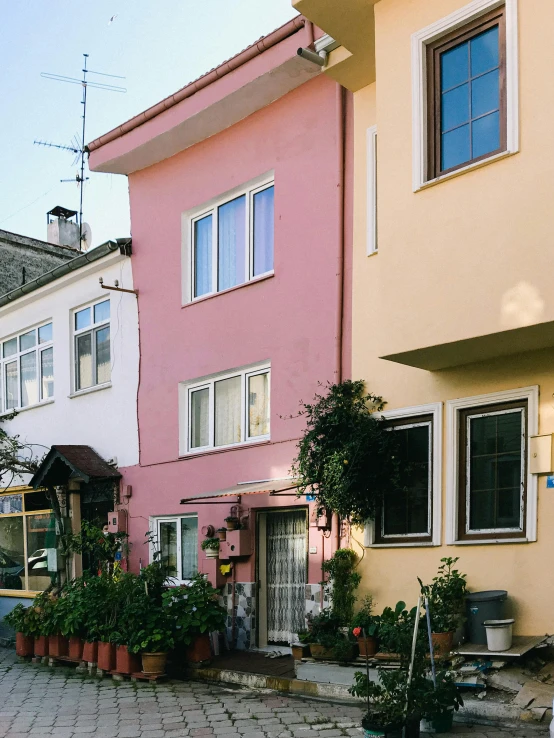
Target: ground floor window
177 542
27 541
492 487
406 513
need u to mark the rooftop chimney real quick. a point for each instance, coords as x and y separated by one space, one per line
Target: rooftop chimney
62 230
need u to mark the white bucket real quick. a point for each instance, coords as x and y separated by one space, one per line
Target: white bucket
499 634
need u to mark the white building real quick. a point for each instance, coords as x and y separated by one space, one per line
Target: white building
69 367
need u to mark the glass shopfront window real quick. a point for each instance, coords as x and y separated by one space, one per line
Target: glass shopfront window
27 541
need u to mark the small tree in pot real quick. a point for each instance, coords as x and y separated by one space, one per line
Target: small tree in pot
446 600
365 627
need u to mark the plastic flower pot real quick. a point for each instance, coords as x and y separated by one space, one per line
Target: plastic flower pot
231 524
58 645
200 649
367 646
374 728
75 648
443 723
125 662
106 656
499 634
321 653
90 652
24 645
442 643
41 646
300 650
154 663
222 533
211 553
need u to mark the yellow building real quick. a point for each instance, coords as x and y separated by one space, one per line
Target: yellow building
453 315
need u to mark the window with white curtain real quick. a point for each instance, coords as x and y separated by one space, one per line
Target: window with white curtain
232 240
27 369
225 409
91 327
177 543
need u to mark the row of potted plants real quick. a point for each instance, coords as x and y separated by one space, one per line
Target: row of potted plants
112 621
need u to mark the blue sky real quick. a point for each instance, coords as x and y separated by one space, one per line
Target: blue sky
158 45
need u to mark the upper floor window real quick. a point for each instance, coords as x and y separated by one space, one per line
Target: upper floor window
91 326
466 72
232 241
225 410
27 369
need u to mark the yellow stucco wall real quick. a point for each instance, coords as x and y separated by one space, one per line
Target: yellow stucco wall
447 257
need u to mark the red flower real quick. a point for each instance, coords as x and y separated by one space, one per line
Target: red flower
357 632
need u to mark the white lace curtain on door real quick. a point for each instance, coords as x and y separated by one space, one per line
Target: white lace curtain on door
286 575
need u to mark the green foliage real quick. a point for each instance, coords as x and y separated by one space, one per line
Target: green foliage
447 696
100 548
386 699
153 631
17 619
365 619
210 543
446 596
342 582
194 609
346 455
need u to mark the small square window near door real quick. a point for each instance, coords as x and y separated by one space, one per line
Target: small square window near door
466 77
492 489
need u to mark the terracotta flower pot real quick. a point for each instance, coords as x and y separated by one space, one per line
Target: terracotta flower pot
231 524
58 645
24 645
41 646
75 648
300 650
200 649
106 656
319 652
367 646
154 663
90 652
442 643
125 662
222 534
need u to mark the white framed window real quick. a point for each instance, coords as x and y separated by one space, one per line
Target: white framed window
371 145
176 540
230 240
491 493
446 147
91 345
27 369
225 410
412 517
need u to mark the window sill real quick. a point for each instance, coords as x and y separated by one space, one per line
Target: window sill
256 280
234 447
463 170
490 541
29 407
419 544
88 390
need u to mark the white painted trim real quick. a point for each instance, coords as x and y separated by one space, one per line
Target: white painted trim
419 87
153 526
325 43
371 214
434 409
531 394
247 189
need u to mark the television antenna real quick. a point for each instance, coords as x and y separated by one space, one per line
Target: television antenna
77 145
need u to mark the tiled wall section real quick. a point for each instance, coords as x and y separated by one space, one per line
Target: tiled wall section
313 599
245 610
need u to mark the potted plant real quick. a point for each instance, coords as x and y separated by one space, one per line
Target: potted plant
221 533
365 627
445 597
327 641
440 702
18 619
153 638
301 648
38 616
210 546
195 612
232 522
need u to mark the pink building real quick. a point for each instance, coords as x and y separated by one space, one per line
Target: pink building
239 187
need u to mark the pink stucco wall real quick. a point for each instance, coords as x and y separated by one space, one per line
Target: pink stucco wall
289 318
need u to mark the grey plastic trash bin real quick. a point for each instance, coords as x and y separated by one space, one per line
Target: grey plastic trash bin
483 606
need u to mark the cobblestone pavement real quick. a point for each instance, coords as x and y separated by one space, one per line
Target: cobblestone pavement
36 700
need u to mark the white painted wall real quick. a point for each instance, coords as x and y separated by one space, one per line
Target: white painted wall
105 419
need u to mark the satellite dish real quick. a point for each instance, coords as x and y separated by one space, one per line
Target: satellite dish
86 237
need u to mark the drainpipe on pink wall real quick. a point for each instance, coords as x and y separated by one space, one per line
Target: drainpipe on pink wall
341 160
